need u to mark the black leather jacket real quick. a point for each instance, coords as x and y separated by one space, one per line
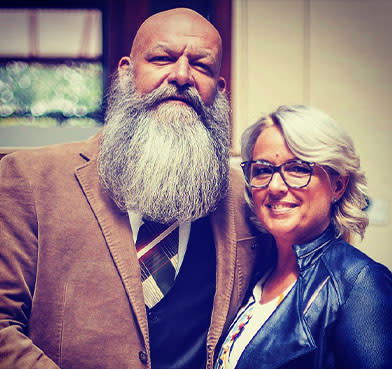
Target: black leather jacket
337 315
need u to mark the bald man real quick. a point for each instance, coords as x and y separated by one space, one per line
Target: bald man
88 277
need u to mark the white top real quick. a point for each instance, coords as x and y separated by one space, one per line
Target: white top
247 323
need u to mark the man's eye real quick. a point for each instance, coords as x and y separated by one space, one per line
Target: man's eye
202 67
160 58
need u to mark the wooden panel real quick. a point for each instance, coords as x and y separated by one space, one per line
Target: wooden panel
223 23
122 18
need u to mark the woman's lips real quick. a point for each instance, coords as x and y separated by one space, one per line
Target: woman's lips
281 207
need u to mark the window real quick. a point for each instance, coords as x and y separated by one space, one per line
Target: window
51 70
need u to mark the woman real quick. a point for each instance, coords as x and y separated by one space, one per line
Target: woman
317 302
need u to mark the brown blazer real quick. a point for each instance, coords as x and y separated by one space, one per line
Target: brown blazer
70 290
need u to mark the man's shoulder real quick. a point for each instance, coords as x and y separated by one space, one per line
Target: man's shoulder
236 180
49 163
63 153
234 206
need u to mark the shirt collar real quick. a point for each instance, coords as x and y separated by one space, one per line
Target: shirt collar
136 221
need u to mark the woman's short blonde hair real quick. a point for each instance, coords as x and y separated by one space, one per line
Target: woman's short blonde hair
314 136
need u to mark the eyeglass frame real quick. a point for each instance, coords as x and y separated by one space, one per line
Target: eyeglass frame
277 169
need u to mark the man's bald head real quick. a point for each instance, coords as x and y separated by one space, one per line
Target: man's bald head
180 47
180 19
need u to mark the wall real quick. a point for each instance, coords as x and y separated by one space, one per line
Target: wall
335 55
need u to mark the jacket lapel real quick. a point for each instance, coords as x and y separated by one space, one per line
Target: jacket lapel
284 337
235 258
116 230
222 222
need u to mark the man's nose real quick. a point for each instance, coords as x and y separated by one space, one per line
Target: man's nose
277 184
181 73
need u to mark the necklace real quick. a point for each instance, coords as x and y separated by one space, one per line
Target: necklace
234 334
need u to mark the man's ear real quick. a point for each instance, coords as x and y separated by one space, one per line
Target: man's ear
123 71
123 65
221 84
339 185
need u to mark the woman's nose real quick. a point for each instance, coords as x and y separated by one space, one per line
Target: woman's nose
277 184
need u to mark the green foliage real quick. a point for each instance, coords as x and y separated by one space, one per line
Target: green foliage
35 91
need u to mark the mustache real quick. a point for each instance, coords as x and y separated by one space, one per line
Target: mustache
189 95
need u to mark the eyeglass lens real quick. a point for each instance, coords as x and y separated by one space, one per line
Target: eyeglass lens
295 174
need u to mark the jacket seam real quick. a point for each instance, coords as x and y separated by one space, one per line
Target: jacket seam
315 294
366 266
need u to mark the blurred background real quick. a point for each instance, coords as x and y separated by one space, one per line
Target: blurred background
56 58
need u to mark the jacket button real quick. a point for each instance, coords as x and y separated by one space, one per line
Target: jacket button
143 357
152 317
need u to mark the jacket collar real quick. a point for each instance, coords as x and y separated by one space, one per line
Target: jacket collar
115 229
91 147
309 252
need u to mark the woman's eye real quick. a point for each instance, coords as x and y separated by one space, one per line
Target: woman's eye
261 171
298 169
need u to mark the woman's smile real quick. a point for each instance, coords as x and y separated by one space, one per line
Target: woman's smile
281 207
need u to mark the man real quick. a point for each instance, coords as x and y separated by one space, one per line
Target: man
76 288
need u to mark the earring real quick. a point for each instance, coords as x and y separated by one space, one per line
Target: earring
334 201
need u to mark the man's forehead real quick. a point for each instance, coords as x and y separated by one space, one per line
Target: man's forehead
179 27
194 51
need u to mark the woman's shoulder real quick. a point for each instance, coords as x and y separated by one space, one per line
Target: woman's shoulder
349 267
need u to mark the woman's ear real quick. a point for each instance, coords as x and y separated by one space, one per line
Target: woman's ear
339 185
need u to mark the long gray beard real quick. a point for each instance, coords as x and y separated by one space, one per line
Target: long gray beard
168 161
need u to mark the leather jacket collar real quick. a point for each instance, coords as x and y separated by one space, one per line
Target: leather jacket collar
309 253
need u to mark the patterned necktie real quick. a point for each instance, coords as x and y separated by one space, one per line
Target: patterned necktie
157 252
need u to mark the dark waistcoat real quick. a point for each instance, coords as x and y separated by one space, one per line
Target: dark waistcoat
178 324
